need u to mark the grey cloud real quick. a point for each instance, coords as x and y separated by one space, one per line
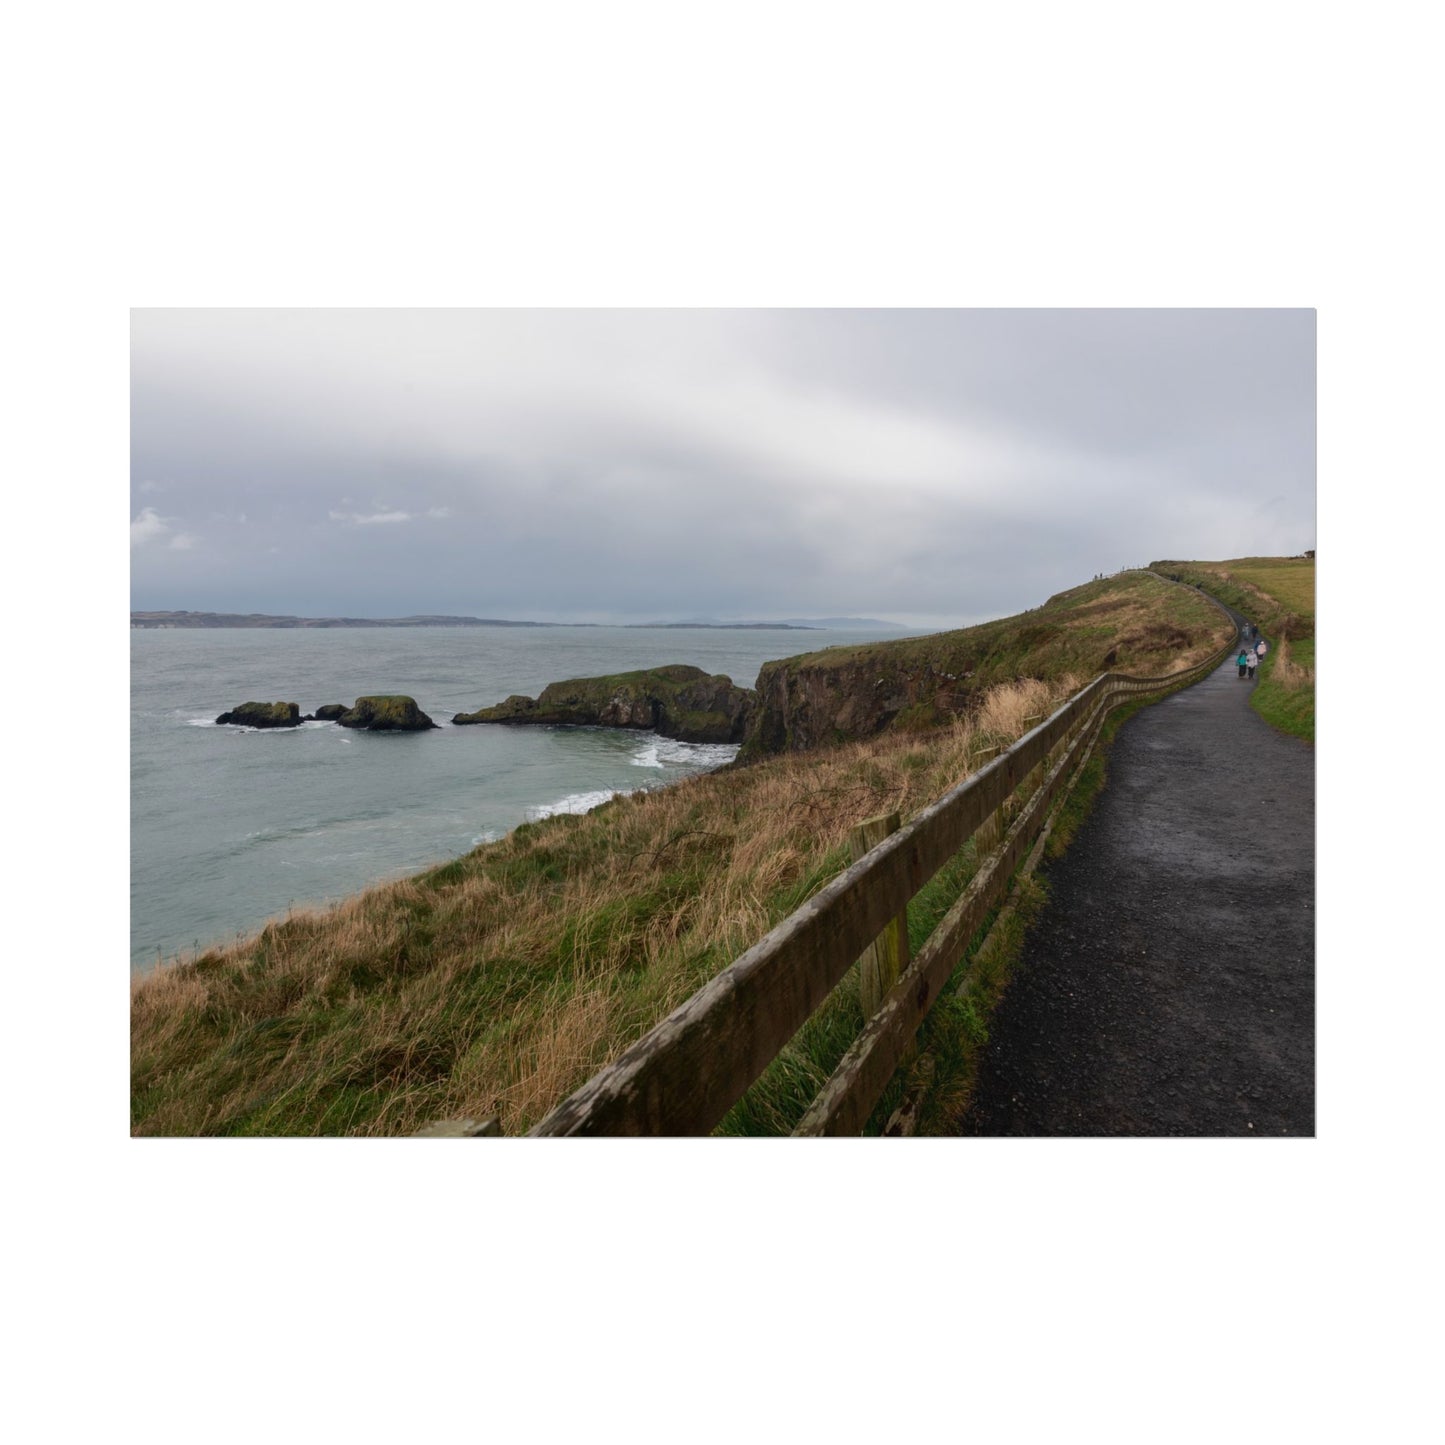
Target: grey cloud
947 464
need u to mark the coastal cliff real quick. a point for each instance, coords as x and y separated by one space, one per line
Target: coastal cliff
1128 623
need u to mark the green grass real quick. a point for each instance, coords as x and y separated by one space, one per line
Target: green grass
1290 709
779 1098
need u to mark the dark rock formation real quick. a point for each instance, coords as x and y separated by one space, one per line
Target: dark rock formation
330 713
678 702
808 701
263 715
386 714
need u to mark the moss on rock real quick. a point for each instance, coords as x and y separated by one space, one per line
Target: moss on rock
677 701
386 713
262 715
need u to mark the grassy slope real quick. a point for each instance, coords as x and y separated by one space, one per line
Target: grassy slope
1278 593
1131 616
498 983
1132 622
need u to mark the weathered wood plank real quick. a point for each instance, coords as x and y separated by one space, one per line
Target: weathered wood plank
461 1129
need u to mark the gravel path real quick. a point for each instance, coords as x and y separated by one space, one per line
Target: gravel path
1168 986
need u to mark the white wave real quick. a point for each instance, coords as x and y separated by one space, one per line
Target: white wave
491 835
661 752
301 727
572 803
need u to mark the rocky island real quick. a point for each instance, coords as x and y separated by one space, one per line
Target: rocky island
262 715
379 713
679 702
386 714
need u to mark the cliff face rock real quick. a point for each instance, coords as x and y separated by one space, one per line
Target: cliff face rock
678 702
262 715
807 701
386 714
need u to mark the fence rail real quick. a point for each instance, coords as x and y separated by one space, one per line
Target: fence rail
684 1076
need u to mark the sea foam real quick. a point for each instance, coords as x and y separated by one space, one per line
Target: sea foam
661 752
572 803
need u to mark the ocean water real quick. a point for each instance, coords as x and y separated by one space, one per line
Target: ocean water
233 826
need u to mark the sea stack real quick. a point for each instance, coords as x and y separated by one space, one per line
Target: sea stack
262 715
386 714
678 702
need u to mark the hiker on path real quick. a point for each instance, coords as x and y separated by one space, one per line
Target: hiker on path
1243 661
1261 647
1252 660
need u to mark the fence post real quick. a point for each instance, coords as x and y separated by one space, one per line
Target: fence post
990 831
1035 774
887 956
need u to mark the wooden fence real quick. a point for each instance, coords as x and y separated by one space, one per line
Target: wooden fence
684 1076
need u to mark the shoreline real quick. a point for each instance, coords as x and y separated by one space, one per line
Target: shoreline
144 964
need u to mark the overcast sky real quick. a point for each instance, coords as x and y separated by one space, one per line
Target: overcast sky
934 468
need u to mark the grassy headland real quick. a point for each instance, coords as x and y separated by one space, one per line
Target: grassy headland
1278 594
498 983
1129 623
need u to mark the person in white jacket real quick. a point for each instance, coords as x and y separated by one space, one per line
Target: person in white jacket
1251 661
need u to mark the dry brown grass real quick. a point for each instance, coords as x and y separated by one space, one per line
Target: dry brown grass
500 983
1287 673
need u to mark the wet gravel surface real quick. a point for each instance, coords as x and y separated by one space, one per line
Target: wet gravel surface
1168 986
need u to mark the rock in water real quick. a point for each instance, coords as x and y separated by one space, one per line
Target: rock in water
331 712
263 715
386 714
678 702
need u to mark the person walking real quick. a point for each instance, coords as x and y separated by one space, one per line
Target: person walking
1243 661
1251 659
1261 647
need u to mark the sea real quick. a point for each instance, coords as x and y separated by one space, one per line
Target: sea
231 827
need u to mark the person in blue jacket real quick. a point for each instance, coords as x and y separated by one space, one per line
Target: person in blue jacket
1243 661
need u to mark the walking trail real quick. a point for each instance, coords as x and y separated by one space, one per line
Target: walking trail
1167 988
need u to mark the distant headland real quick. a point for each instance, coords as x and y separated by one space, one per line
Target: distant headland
264 619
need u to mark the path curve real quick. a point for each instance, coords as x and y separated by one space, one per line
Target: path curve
1167 988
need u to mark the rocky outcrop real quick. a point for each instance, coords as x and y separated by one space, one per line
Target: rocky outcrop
386 714
262 715
805 702
331 712
679 702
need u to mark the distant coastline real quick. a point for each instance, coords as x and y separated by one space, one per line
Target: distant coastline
262 619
